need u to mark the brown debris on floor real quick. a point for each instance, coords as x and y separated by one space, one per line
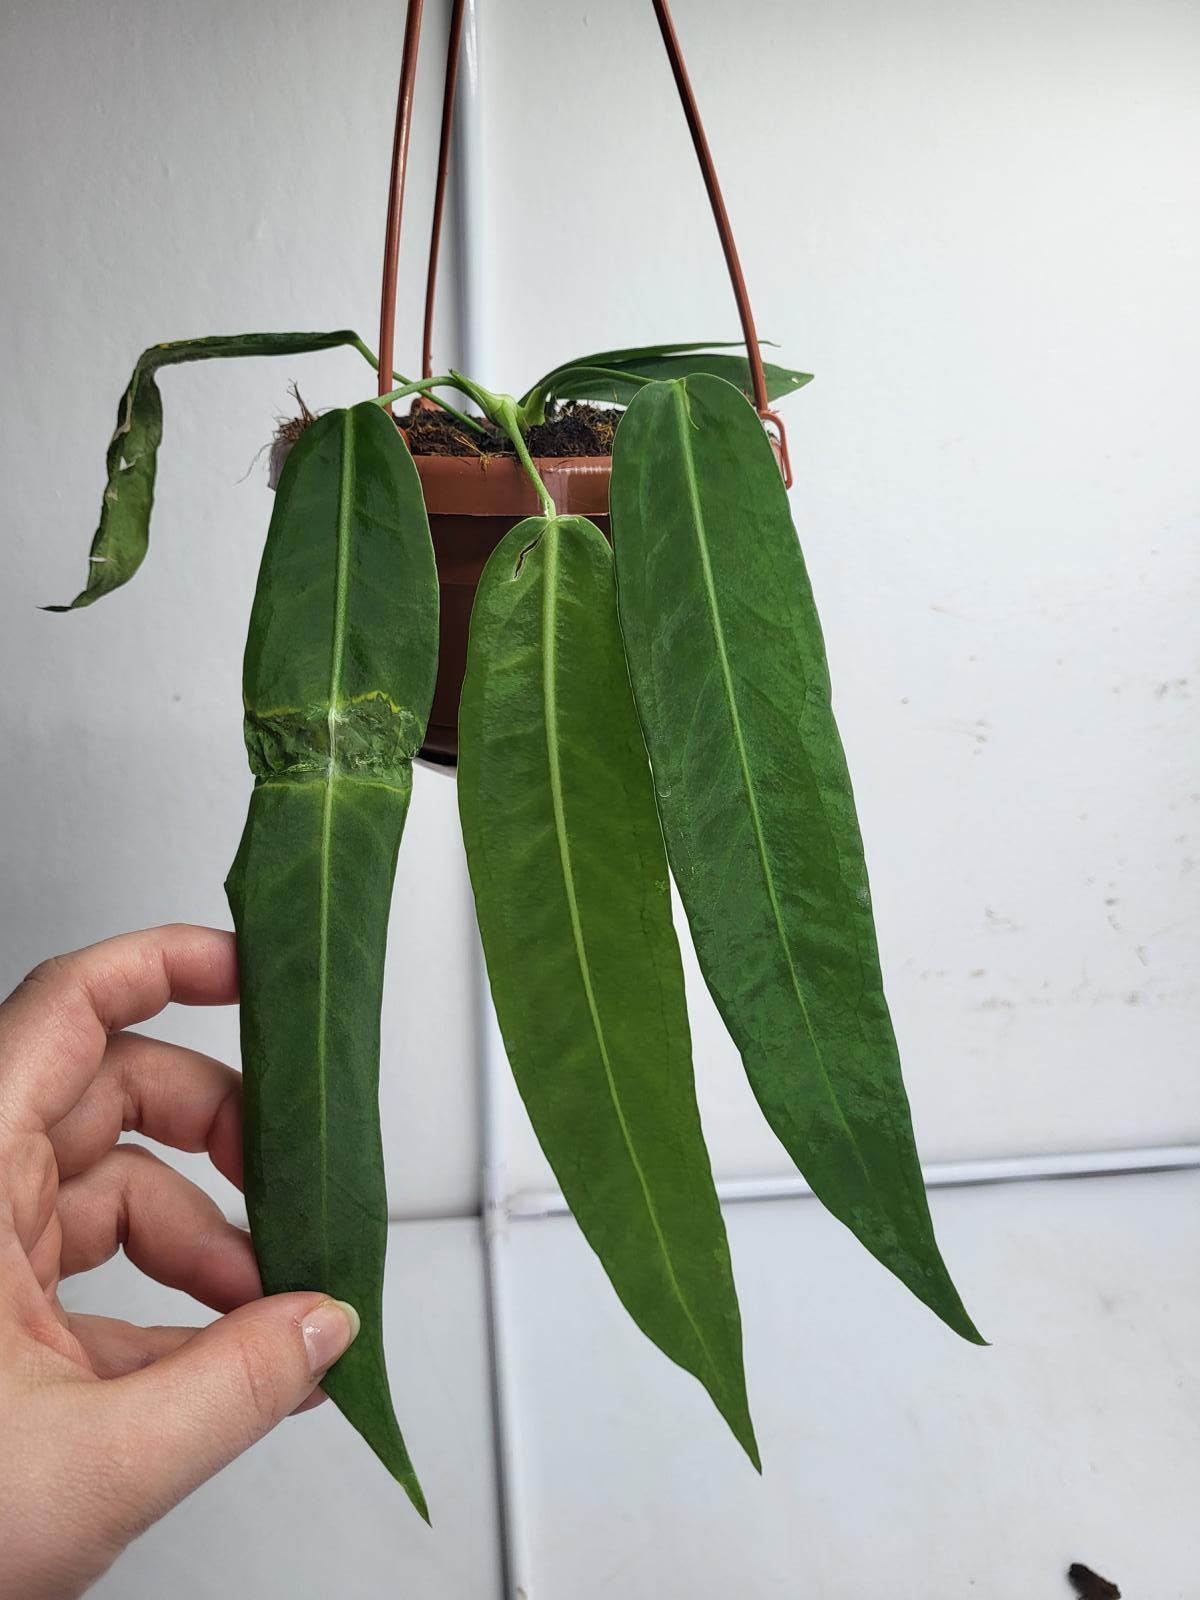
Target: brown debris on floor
1089 1585
575 429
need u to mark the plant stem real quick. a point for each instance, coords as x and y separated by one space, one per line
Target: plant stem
372 359
420 386
549 509
367 354
501 409
504 411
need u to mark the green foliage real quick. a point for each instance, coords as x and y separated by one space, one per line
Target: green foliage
339 675
571 888
705 654
617 375
729 673
123 535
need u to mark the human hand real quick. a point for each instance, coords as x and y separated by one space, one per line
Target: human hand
103 1425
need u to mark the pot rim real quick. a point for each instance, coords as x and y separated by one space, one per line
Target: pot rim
498 486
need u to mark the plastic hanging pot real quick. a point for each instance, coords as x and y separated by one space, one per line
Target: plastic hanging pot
472 504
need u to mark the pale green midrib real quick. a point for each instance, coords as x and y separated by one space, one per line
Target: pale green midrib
324 864
550 712
718 631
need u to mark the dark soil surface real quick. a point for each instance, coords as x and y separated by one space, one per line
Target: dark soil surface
574 430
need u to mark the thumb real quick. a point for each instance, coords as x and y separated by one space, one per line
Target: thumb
192 1412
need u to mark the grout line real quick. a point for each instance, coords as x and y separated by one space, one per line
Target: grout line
534 1205
512 1521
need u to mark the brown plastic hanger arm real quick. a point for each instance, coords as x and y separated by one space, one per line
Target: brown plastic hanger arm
391 247
408 66
741 294
453 51
691 111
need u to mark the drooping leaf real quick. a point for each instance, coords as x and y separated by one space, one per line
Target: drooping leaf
607 385
619 359
732 688
123 535
571 887
640 352
616 375
619 385
340 666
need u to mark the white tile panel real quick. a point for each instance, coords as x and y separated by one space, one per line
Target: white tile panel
309 1511
969 224
258 206
897 1459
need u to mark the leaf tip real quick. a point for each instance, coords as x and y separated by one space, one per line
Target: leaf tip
956 1318
741 1425
401 1468
415 1494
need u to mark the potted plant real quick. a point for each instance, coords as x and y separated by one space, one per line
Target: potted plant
621 714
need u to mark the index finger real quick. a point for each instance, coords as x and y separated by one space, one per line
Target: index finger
54 1026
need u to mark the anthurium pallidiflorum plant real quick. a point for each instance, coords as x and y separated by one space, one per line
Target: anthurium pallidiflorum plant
661 712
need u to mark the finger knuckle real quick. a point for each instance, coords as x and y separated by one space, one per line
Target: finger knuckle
262 1376
48 971
136 1158
62 997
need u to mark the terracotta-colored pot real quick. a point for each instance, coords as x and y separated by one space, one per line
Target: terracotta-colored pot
472 504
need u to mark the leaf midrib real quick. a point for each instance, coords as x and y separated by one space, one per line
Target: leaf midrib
683 421
550 714
336 660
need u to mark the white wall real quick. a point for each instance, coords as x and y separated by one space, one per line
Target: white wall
896 1459
195 169
173 169
978 225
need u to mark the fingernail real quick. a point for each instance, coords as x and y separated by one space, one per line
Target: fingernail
329 1330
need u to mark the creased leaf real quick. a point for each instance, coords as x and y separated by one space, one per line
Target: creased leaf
732 688
571 887
123 534
616 375
339 674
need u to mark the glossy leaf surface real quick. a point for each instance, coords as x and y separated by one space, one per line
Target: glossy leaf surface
617 375
123 535
339 674
732 688
571 887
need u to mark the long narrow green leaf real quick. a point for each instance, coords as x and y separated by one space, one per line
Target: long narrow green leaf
732 688
571 886
340 666
617 375
123 535
620 385
637 352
